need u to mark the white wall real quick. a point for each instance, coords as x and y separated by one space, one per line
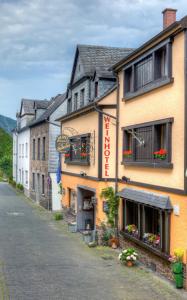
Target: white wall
23 158
56 196
54 131
14 172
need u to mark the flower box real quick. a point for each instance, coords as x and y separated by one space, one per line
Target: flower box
127 154
161 154
132 230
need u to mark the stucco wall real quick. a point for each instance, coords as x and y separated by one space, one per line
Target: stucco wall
165 102
69 182
85 124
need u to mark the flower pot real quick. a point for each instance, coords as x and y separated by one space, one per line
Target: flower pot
129 263
114 246
178 280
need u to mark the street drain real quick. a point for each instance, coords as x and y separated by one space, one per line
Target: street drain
15 214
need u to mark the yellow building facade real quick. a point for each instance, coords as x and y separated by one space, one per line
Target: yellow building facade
152 128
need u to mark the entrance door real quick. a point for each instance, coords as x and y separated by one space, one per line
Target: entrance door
85 210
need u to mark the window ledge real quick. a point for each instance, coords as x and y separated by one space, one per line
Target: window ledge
152 86
145 246
79 163
164 165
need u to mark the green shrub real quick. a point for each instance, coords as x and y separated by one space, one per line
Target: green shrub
13 183
58 216
20 187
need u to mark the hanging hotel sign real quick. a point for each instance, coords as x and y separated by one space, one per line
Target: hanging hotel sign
107 150
62 143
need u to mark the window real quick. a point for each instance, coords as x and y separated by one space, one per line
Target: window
22 150
144 72
43 148
33 181
22 177
148 144
96 89
147 224
38 148
26 177
79 151
43 185
75 101
148 71
69 106
26 150
82 98
19 150
33 149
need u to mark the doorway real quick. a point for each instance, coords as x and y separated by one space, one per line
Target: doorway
85 208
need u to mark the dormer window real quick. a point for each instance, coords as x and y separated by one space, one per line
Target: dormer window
96 89
148 71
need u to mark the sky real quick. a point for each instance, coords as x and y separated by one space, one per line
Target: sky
38 39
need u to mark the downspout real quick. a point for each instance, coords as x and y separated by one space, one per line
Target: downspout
117 133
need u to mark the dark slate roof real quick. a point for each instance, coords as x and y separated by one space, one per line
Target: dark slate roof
29 105
147 198
98 58
41 104
54 103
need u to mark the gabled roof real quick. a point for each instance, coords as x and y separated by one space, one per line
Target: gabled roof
178 26
87 108
98 57
29 105
54 103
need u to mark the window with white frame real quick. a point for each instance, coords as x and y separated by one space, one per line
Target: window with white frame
26 150
26 177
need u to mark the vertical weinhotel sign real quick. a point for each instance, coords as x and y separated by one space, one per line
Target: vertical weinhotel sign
107 144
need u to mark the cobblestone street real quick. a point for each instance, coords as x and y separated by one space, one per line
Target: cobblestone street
41 260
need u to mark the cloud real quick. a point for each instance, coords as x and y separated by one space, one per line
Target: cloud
38 38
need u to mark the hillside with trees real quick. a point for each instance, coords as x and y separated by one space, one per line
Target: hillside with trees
5 154
7 124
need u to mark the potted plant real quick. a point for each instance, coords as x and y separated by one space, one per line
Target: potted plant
113 242
128 257
177 267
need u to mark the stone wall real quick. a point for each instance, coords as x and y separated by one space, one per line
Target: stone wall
40 167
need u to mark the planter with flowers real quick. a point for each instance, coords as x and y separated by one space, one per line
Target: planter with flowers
67 155
128 257
177 267
84 155
161 154
132 230
127 154
152 239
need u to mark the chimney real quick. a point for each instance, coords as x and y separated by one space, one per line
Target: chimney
169 17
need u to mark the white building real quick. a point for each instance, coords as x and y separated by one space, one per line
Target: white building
21 143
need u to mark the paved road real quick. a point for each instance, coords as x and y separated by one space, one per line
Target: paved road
41 261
